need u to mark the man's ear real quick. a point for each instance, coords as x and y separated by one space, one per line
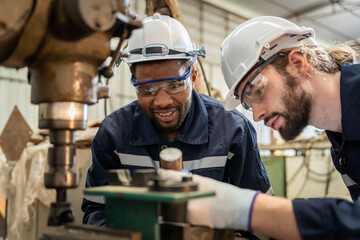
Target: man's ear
297 64
194 74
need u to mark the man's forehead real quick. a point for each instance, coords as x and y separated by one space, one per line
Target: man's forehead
159 69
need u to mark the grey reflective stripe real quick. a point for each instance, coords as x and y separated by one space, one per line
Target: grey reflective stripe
146 161
207 162
96 199
137 160
270 191
230 155
347 180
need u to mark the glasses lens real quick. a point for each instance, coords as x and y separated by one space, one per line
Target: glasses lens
171 87
254 92
147 90
176 86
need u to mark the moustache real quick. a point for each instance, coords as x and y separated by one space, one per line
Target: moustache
274 114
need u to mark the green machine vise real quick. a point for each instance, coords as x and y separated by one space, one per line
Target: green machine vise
143 202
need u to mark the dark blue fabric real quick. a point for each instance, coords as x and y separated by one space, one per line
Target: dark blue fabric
337 218
327 218
208 131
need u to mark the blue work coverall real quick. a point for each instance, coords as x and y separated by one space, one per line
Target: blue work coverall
331 218
215 143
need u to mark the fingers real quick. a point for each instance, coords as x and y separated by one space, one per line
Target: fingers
198 212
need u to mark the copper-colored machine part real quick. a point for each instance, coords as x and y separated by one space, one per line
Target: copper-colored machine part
171 158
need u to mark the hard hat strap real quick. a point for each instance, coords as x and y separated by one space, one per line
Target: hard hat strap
163 50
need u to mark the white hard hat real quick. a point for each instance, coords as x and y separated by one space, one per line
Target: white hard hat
254 40
161 38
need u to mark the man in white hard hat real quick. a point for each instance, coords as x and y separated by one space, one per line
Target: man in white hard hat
276 69
169 113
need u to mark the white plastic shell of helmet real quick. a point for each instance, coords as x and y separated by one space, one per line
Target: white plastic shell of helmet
259 37
160 29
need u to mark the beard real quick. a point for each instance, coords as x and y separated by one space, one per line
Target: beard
298 105
176 126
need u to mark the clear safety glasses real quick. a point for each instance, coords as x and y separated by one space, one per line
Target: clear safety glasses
170 85
254 92
255 88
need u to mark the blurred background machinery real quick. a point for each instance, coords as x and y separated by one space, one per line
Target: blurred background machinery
63 43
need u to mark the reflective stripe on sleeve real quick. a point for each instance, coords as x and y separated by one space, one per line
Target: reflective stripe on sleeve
270 191
347 180
96 199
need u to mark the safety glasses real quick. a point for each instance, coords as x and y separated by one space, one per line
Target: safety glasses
170 85
254 92
255 88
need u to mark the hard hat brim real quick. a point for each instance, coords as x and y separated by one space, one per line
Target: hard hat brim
231 102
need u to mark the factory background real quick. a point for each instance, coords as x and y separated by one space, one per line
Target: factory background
208 23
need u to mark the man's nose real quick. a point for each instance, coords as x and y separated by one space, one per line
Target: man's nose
162 98
259 111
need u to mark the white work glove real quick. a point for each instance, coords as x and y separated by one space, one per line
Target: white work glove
230 208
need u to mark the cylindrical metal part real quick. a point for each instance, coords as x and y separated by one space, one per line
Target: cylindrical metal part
171 158
61 178
62 160
61 195
60 213
63 115
142 176
174 212
62 155
62 137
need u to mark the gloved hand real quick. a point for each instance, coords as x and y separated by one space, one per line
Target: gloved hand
230 208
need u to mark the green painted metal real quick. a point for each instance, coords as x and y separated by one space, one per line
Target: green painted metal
275 167
138 193
136 209
134 215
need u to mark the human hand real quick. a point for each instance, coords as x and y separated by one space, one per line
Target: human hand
230 208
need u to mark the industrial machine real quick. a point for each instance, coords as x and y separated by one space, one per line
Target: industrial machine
64 44
143 206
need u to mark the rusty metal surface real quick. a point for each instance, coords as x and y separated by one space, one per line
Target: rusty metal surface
88 232
12 21
15 136
21 55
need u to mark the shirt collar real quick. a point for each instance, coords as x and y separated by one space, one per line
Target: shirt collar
144 132
350 101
